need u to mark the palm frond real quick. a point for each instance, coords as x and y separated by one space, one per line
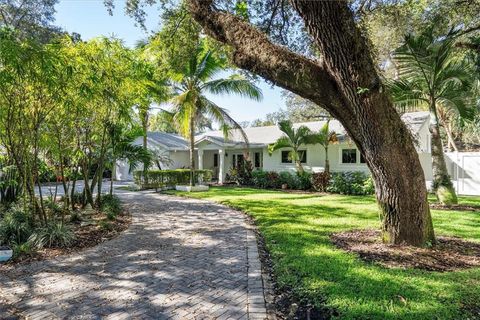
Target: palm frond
407 94
286 127
208 66
241 87
282 142
223 118
302 134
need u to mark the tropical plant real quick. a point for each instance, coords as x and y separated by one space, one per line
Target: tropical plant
434 76
325 137
293 139
190 103
122 147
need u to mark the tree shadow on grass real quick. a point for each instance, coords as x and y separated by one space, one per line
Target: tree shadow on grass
305 261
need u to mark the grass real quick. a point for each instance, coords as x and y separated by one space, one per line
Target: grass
296 228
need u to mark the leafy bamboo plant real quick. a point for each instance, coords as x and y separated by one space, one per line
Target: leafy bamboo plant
434 76
190 103
293 139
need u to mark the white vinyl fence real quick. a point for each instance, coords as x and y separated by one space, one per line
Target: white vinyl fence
464 168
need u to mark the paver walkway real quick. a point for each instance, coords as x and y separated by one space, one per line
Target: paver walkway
180 259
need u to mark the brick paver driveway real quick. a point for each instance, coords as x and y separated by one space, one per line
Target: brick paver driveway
180 259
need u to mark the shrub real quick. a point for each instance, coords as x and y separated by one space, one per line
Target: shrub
105 225
53 207
16 226
232 175
75 217
289 179
259 179
242 174
320 181
20 249
110 215
273 180
351 183
78 198
46 173
161 179
53 235
111 203
304 181
369 186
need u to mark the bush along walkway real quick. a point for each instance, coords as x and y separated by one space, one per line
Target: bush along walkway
181 258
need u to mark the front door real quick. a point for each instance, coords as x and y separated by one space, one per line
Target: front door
215 166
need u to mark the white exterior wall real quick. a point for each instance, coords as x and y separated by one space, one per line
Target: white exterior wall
315 159
179 160
426 162
464 169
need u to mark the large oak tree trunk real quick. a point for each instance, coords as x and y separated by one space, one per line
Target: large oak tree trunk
346 83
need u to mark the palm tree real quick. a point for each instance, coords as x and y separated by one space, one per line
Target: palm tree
433 76
190 104
293 139
325 137
153 86
122 147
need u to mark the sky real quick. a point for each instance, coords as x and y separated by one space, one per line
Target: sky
90 19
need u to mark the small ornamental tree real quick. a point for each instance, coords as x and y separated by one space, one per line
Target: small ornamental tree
293 139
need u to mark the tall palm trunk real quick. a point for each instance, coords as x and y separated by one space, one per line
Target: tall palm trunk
451 141
327 162
300 169
192 154
442 185
298 162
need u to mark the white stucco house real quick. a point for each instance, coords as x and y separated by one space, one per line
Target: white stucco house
214 152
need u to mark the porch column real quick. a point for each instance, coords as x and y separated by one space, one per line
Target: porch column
200 159
221 169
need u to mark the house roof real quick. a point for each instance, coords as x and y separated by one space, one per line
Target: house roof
169 141
261 136
270 134
415 120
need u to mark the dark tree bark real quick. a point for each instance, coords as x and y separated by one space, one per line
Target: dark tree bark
345 83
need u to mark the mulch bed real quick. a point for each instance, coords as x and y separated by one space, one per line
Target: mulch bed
86 236
449 254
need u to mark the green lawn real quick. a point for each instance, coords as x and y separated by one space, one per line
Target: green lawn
297 228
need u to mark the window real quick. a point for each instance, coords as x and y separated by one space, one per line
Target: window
349 155
237 160
215 160
258 160
286 157
303 156
362 159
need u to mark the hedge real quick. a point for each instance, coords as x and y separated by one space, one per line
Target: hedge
349 182
166 179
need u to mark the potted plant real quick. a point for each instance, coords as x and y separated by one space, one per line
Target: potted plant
6 253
